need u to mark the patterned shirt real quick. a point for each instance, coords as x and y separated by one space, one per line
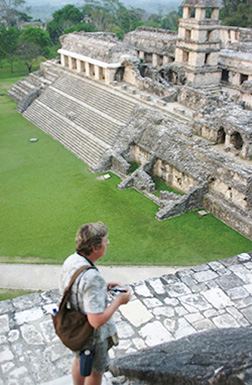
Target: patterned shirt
88 293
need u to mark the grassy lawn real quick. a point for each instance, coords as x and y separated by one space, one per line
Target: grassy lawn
10 293
47 193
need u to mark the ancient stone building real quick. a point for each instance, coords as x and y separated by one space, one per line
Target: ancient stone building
155 46
198 42
187 121
97 55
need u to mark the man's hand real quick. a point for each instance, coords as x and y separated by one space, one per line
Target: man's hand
124 297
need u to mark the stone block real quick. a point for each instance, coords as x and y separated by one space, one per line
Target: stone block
199 359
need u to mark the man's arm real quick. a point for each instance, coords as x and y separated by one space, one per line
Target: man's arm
98 319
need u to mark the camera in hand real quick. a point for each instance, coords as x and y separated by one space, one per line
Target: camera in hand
118 289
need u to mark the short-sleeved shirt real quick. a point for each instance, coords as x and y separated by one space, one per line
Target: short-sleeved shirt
88 293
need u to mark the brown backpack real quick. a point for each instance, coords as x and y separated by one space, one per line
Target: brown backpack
71 326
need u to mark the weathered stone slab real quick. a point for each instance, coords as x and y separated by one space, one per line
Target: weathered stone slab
202 358
136 313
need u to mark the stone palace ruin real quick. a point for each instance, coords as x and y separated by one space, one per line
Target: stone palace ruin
178 105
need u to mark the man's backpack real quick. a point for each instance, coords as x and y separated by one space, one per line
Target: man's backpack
71 326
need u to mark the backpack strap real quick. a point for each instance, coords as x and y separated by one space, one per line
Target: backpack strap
80 270
67 289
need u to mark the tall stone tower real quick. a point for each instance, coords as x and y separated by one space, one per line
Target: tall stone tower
198 43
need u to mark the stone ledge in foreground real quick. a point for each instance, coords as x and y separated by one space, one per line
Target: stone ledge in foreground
214 357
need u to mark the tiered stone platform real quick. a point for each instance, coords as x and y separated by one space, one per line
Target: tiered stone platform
83 116
209 296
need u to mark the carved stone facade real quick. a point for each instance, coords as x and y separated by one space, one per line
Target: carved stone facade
99 56
198 42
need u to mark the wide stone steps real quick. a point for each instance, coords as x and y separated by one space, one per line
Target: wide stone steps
14 96
91 120
26 85
19 90
103 100
81 143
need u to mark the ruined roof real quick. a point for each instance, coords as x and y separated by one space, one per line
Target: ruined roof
102 46
240 55
201 3
151 39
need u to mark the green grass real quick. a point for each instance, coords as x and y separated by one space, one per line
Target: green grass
162 186
47 193
11 293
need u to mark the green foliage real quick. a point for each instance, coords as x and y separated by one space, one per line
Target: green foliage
237 13
8 43
36 37
11 13
168 21
86 27
33 43
112 15
7 78
29 52
47 193
64 18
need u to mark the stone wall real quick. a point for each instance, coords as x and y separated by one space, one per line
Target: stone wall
192 200
197 99
188 164
153 40
229 214
28 99
233 35
229 125
175 178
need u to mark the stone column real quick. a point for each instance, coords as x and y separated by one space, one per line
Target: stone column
70 60
245 151
166 60
200 13
87 68
215 14
109 75
62 59
236 79
186 12
79 67
141 55
179 55
97 72
154 60
227 143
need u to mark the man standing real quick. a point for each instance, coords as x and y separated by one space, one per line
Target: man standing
89 295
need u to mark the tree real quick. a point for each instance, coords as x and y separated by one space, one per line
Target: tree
86 27
29 53
10 13
237 13
65 17
9 40
36 36
112 16
170 21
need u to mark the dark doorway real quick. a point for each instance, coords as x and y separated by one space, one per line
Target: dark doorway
221 136
236 140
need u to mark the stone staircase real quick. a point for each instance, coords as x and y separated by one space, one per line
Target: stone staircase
84 117
100 97
101 125
35 80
